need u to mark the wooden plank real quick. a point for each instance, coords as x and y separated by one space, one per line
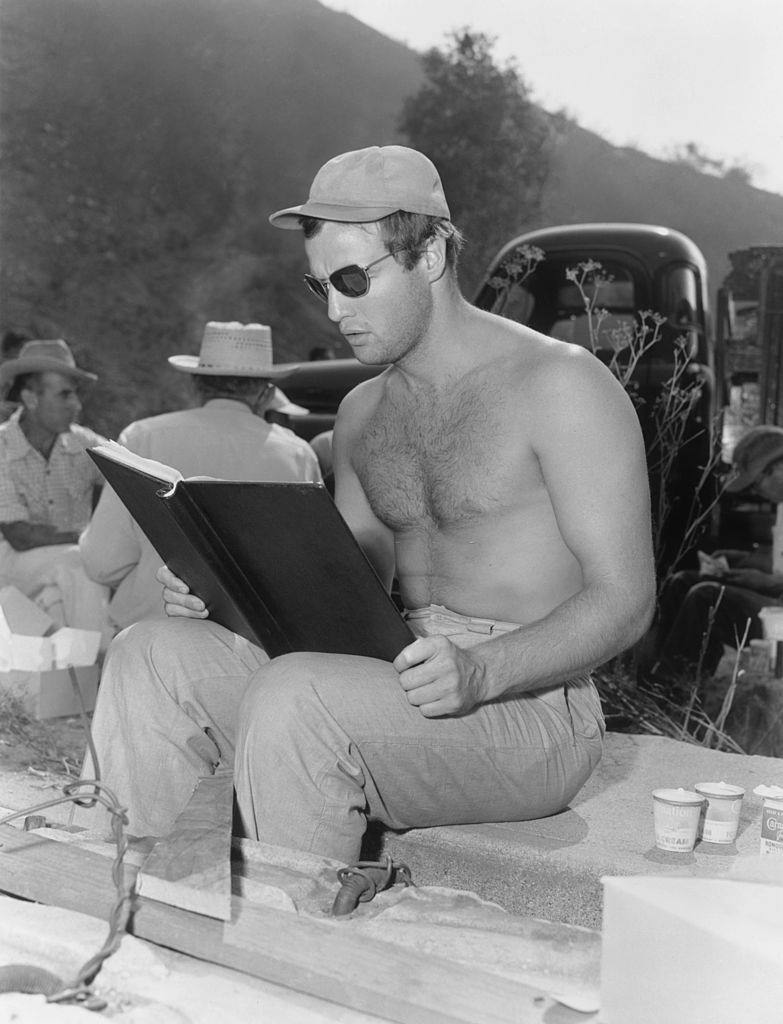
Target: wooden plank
191 867
320 958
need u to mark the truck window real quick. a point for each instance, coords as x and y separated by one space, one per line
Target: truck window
549 302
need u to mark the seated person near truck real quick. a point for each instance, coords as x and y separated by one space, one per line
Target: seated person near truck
731 597
225 435
502 475
47 485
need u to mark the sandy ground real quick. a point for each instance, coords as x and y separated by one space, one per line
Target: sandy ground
37 758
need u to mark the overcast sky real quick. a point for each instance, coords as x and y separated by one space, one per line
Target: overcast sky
654 74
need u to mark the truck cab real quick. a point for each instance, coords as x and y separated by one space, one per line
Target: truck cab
643 267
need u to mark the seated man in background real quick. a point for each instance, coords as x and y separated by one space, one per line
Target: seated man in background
502 475
703 611
225 435
47 485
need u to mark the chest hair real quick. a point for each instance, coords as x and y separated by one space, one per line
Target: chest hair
431 459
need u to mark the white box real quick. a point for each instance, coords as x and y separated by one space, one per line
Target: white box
691 951
51 694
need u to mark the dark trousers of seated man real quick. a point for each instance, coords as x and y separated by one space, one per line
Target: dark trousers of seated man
700 613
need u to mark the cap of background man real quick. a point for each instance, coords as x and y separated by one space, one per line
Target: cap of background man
41 357
369 184
756 450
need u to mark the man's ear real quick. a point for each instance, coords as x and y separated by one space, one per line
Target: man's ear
29 398
434 257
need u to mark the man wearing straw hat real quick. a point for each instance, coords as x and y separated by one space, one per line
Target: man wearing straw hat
501 476
47 485
225 436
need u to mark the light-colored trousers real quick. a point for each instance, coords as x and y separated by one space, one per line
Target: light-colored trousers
319 743
71 598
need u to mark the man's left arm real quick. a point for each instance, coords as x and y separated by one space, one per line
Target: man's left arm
589 445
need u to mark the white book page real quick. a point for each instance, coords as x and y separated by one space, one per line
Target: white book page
119 453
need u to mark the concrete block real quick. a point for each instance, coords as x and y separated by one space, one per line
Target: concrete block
552 867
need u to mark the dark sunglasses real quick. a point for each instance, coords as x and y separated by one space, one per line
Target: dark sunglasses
352 281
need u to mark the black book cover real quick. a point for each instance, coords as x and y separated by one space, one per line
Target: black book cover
274 562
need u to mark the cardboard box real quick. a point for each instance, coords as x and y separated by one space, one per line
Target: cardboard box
692 950
51 693
23 615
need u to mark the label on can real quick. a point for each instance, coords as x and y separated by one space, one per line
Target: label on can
772 828
719 831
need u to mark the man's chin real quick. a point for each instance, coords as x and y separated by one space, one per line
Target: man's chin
367 353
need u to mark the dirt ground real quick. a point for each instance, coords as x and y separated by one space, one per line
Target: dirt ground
37 758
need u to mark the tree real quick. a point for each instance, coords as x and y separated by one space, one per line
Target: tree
490 143
691 155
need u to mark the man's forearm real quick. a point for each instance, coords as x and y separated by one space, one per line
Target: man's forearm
26 536
582 633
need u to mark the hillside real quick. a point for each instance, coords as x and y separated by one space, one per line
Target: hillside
145 142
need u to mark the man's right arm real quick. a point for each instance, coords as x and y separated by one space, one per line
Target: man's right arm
24 536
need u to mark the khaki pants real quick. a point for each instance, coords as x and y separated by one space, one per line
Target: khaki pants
319 743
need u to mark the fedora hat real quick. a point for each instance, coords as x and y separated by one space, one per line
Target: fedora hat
41 357
753 453
233 350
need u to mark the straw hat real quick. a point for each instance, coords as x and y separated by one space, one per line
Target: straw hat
233 350
41 357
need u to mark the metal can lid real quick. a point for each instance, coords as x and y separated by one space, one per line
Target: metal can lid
724 790
680 797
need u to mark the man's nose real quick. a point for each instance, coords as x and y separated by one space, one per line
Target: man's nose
75 403
336 304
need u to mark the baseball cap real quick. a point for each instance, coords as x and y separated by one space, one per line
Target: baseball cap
753 453
368 184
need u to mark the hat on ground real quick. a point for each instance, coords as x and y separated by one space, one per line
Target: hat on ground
368 184
233 350
41 357
756 450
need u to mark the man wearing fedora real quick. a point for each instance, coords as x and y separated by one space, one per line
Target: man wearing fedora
225 435
702 612
475 469
47 484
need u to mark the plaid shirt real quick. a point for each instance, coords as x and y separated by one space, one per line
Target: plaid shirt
57 491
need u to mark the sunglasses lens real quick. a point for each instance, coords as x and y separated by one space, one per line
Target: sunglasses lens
351 281
316 287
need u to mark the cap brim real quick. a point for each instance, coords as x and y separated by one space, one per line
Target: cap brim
289 219
190 364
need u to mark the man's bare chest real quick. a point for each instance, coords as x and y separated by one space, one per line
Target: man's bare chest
436 462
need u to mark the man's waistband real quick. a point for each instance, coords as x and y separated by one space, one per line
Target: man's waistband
436 615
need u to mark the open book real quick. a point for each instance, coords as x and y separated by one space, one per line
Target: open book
274 562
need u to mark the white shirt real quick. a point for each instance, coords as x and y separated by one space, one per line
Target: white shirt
223 439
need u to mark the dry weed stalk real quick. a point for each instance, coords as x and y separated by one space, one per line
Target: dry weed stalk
671 418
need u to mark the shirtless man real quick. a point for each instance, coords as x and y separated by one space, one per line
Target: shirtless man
501 475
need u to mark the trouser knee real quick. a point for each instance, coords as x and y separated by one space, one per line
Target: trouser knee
281 698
